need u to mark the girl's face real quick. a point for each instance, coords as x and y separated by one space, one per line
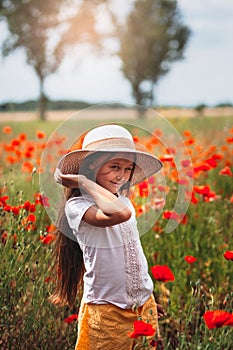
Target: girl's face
113 173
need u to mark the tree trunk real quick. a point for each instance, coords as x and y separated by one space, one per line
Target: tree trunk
152 97
138 95
42 103
141 111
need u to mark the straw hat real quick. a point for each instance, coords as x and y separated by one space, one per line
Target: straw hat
114 139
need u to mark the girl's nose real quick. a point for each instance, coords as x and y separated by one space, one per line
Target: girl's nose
120 174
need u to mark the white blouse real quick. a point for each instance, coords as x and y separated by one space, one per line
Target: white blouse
116 270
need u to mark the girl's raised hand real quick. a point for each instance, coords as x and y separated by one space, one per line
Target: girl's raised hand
68 180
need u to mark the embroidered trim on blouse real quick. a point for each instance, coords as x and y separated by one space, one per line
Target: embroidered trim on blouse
133 266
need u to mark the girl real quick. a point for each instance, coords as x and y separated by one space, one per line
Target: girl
98 243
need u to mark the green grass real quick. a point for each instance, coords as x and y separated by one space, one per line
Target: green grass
201 126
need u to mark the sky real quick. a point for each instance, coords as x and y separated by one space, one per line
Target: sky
205 75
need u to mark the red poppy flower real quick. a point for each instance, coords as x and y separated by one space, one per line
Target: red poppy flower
186 133
185 163
27 167
30 147
141 328
140 211
211 162
41 199
162 273
194 200
203 190
171 150
143 189
217 156
204 167
11 160
3 200
159 203
218 318
38 198
189 142
22 137
151 180
15 142
71 318
15 210
31 218
212 196
229 139
228 255
50 228
7 129
229 322
226 171
7 208
182 181
190 259
48 238
190 173
40 134
29 206
28 154
166 158
184 219
170 215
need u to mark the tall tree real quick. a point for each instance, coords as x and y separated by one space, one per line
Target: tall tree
45 29
151 38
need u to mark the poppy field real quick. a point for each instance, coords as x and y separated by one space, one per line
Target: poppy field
192 266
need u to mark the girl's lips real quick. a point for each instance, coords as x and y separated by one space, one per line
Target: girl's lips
117 183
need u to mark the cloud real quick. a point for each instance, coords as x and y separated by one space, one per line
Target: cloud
210 21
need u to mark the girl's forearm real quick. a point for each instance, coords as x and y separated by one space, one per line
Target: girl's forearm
105 200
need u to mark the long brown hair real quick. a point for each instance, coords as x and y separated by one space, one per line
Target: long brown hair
69 265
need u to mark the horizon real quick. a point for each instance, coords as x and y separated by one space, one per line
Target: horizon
124 104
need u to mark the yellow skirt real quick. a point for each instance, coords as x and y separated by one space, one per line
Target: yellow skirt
106 327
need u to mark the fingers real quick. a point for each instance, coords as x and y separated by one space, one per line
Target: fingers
67 180
58 176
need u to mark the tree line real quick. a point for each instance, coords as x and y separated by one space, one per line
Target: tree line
149 38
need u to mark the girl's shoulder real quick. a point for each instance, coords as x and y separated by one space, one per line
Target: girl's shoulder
124 198
81 199
76 206
126 201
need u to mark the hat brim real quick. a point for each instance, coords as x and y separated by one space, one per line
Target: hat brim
145 164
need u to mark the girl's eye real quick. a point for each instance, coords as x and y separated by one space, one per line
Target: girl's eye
116 167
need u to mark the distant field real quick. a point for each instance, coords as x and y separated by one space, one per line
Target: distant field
127 114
